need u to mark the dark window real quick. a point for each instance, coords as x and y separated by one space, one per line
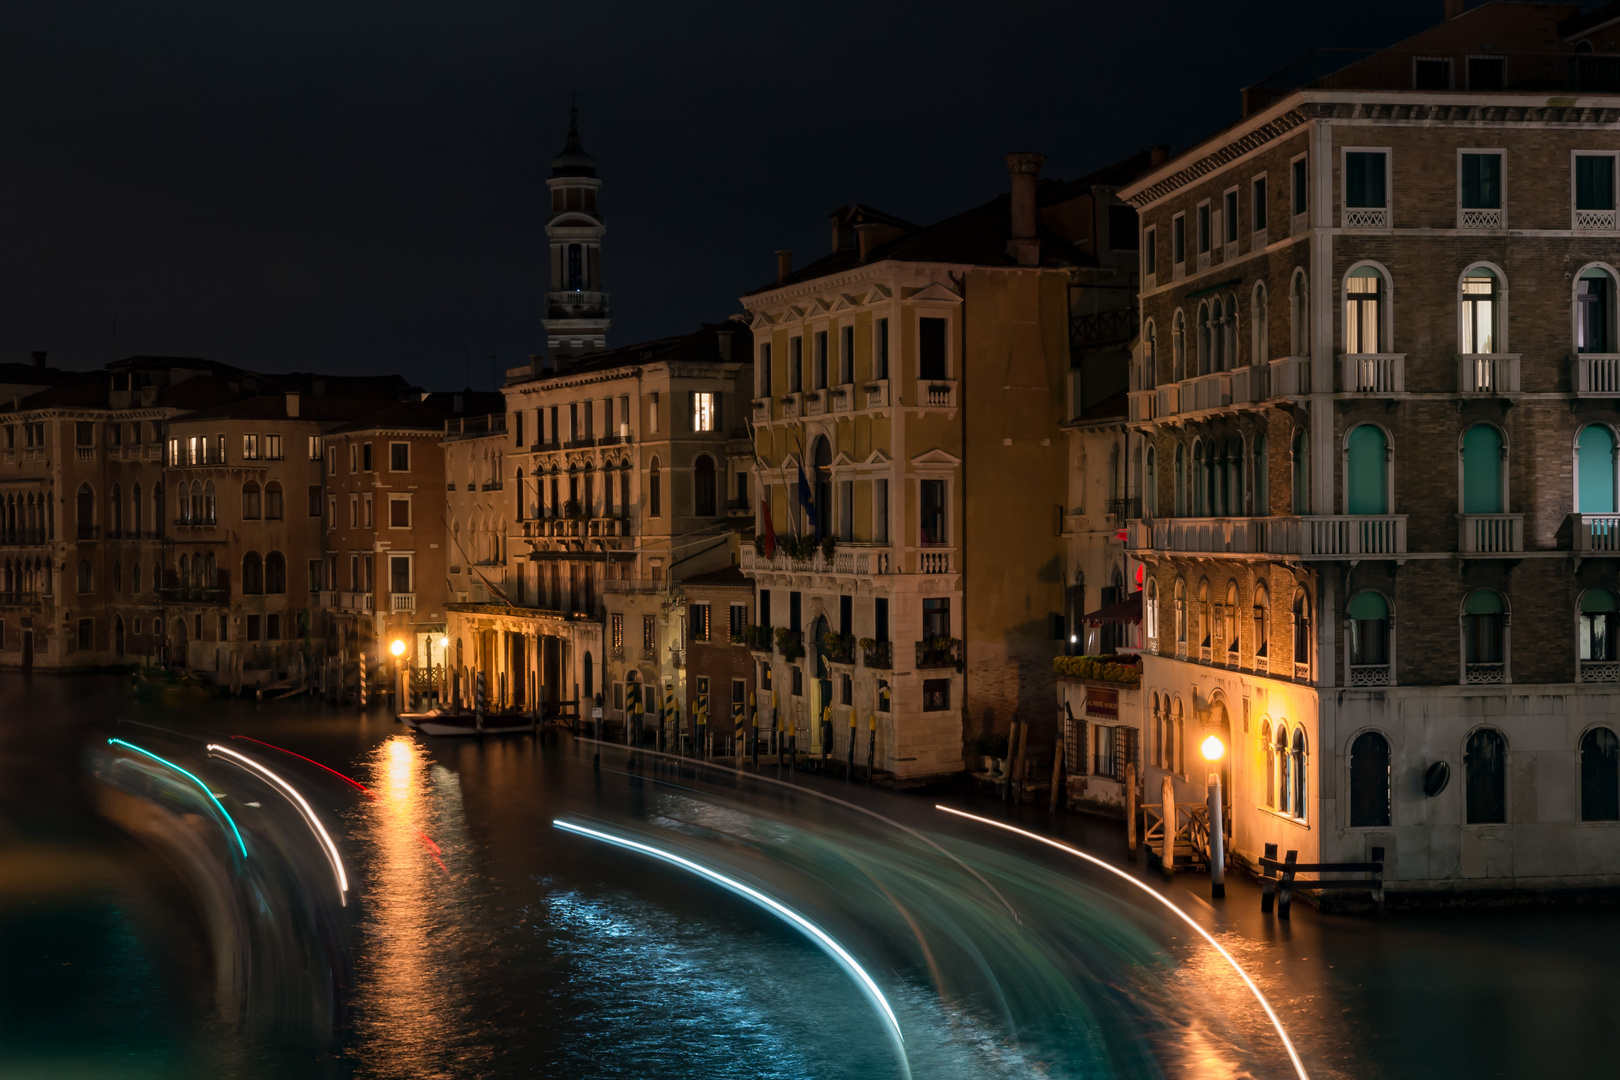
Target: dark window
880 619
1485 764
739 621
931 348
252 574
315 500
1599 624
846 616
937 617
1369 630
1230 225
936 695
765 370
1364 180
821 360
1482 637
1594 182
1301 190
1124 233
846 690
846 355
365 457
399 457
253 628
1431 74
517 428
399 575
1369 780
1593 297
883 695
87 633
84 433
798 681
576 267
1482 181
1487 72
795 610
697 621
272 627
1178 240
882 349
795 365
1258 210
933 511
703 487
275 573
1203 229
765 607
1600 776
399 513
1150 254
655 491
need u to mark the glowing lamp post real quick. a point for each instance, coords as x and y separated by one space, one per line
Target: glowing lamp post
444 662
1213 750
397 648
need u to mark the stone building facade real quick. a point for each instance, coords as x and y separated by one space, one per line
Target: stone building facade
1376 392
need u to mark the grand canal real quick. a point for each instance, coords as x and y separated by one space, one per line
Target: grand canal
453 929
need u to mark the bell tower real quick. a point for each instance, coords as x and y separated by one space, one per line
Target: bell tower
576 307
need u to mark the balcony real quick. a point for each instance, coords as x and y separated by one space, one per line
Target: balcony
877 394
84 453
1596 221
792 405
1597 374
838 648
939 653
199 522
1374 373
1365 217
841 398
1291 376
353 601
760 638
1125 509
1479 218
1484 674
1325 536
1142 402
762 410
878 654
192 594
1596 534
20 598
1485 534
1492 374
1225 535
934 561
1369 675
847 559
579 442
815 403
936 394
402 601
23 538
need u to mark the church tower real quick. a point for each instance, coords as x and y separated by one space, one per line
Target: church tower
576 307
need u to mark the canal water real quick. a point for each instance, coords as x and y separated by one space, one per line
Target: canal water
167 909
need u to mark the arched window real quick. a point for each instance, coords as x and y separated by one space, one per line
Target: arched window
703 493
251 510
1485 769
1259 485
655 490
1259 327
252 574
1302 633
519 494
1262 620
275 573
1178 753
208 574
590 679
1364 311
1368 616
137 513
1205 340
1270 792
118 576
1198 504
1366 465
1216 329
273 503
1479 308
1297 774
1231 619
1229 333
1299 315
209 507
1150 610
1484 632
86 518
1180 600
821 479
1150 356
1369 781
1233 493
1594 471
1594 311
1178 346
1483 476
1205 619
157 507
84 575
135 581
1599 627
1285 782
1150 485
184 580
1181 480
1302 471
1600 775
115 512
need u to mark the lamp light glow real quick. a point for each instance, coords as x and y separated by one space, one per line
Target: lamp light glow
444 643
398 647
1212 748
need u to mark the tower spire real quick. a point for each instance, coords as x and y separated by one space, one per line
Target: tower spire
576 306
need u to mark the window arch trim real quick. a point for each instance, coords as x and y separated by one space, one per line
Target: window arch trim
1383 317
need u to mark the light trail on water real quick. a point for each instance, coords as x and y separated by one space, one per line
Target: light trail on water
776 907
303 807
1288 1044
192 777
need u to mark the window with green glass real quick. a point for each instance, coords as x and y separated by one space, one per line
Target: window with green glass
1368 612
1594 182
1482 181
1598 625
1594 462
1365 479
1483 624
1364 180
1482 470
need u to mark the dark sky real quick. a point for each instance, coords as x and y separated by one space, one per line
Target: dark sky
360 188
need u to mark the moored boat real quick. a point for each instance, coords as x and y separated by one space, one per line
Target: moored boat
464 722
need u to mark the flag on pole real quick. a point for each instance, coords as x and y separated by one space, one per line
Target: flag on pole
807 500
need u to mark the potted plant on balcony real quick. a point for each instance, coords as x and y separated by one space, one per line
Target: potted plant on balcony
828 546
992 751
790 643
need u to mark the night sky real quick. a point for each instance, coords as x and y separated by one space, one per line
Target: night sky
360 188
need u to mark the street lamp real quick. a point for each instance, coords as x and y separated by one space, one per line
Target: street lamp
1213 750
397 647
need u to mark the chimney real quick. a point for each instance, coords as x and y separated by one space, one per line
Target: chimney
318 387
460 403
292 404
39 361
537 367
843 233
722 342
1158 155
1022 169
1454 8
784 265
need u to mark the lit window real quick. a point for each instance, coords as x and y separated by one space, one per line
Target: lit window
1479 312
703 418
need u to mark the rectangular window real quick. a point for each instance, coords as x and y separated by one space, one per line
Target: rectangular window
331 461
653 419
1178 240
354 573
84 433
1230 218
795 610
1257 204
937 617
517 429
883 695
1102 760
1487 72
1481 181
115 434
399 574
1594 192
765 678
798 681
354 511
314 575
1362 318
366 519
821 360
765 607
354 458
931 349
936 695
1364 180
738 623
314 500
846 690
880 618
882 349
331 511
1124 230
649 634
399 457
1203 229
253 628
796 365
702 411
1301 187
399 511
933 511
618 631
846 355
272 447
846 510
250 448
697 621
1431 73
765 370
316 452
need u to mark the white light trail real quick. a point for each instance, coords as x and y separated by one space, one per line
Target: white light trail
1293 1055
303 807
799 922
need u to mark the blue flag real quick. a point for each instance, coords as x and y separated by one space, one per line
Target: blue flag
807 499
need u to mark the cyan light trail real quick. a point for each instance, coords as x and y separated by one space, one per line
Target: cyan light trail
189 776
1288 1044
776 907
303 808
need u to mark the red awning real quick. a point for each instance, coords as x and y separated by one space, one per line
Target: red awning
1128 610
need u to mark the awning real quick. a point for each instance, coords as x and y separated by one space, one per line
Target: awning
1128 610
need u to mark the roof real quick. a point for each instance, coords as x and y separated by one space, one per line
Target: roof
572 160
1128 610
730 577
700 346
1112 407
428 414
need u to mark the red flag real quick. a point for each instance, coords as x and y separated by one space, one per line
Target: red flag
770 530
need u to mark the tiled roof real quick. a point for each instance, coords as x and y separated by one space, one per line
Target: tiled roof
702 345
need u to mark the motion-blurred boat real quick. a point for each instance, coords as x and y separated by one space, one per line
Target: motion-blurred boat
464 722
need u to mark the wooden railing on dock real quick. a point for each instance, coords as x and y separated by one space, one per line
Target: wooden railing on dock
1281 888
